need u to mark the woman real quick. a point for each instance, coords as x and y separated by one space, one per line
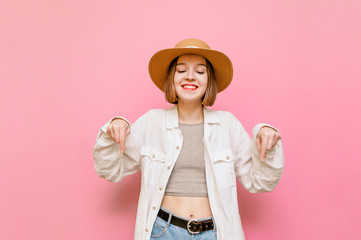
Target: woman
189 156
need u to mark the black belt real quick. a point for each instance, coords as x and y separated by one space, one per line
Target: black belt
193 226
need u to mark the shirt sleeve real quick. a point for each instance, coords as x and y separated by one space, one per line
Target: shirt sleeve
109 163
254 175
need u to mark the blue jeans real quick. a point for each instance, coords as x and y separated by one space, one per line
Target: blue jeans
163 230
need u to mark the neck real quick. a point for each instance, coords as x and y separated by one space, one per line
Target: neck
190 113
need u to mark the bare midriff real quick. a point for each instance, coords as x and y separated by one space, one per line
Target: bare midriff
188 207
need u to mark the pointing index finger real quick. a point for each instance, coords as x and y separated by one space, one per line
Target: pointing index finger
263 148
122 135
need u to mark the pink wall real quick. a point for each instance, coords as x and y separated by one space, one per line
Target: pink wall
66 67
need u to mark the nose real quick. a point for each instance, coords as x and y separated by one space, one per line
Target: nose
190 75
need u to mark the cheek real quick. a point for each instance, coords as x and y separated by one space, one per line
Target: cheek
204 81
177 78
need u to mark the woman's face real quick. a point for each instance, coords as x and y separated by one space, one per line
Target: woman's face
190 78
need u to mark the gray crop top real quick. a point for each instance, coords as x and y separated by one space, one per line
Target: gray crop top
188 177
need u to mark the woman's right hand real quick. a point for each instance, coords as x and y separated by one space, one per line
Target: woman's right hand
118 130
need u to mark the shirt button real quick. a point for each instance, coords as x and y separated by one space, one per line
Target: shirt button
160 188
153 156
168 167
228 157
146 230
153 208
177 147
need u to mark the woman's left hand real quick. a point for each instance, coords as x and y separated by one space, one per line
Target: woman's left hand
266 139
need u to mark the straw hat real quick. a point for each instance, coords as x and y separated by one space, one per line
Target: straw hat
159 63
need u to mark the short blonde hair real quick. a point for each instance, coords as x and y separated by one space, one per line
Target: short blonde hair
211 91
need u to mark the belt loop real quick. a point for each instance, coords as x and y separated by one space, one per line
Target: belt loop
169 218
214 224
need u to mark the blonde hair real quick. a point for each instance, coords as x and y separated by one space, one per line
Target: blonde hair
211 90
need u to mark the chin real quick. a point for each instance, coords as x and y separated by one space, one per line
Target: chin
191 101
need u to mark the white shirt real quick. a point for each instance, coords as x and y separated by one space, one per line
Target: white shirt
153 147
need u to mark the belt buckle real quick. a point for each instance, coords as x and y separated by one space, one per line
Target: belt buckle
188 225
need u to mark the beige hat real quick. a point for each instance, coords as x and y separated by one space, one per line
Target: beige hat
159 63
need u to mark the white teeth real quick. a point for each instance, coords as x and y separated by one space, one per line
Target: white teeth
187 86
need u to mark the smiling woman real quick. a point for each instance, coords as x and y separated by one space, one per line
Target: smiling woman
201 67
190 156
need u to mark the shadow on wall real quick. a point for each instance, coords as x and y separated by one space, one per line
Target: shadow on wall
125 195
252 206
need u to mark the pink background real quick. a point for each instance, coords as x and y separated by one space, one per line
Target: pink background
66 67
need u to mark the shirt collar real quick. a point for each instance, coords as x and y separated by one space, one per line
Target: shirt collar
210 117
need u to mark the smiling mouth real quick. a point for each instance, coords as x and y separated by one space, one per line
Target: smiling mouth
189 86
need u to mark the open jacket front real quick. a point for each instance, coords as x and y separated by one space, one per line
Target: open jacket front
153 147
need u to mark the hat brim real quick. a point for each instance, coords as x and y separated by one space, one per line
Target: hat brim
159 64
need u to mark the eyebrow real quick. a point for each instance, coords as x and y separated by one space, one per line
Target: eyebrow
201 64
